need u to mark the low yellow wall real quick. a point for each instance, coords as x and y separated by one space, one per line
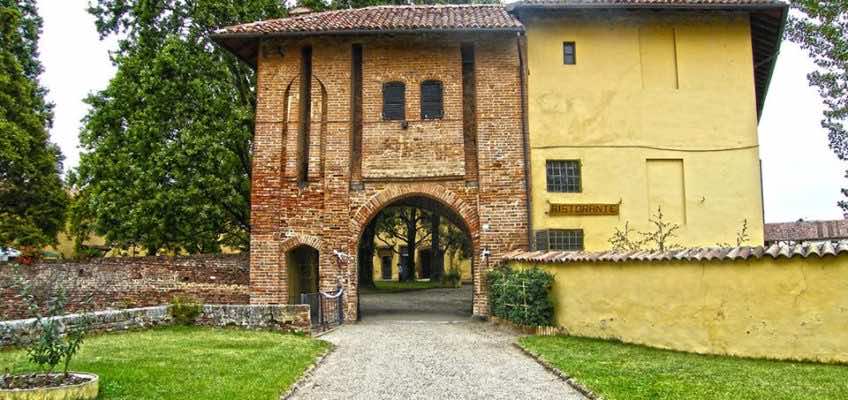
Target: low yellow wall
784 309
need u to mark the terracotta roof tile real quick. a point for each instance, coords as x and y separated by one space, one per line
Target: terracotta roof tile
387 18
817 250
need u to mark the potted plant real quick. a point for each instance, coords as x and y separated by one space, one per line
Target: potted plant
50 343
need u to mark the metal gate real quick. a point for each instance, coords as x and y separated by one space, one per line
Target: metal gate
326 310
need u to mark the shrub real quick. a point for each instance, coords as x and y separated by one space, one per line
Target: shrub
452 278
521 296
184 309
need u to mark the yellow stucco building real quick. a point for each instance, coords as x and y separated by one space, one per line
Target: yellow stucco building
635 109
387 260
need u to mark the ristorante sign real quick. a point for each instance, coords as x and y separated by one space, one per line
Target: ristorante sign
583 209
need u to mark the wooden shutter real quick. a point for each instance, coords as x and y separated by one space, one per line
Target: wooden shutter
394 100
431 100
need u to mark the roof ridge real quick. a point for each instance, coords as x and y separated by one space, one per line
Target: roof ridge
388 17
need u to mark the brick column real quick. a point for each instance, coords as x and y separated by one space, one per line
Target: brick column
267 283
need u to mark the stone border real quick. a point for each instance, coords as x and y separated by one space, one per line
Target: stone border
18 332
279 317
80 391
569 380
307 373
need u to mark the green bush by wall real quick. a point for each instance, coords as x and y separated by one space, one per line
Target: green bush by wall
522 296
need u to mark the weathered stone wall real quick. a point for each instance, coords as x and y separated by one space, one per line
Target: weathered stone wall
427 159
127 282
285 318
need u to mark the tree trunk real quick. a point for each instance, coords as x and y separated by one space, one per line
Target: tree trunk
365 257
437 257
411 231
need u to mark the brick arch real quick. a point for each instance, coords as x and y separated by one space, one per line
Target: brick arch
300 240
434 191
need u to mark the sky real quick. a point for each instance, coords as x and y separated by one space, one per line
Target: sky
801 176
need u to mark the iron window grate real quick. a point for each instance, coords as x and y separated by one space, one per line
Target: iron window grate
560 239
563 176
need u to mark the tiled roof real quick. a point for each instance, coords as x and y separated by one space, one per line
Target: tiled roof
700 254
806 230
652 3
387 18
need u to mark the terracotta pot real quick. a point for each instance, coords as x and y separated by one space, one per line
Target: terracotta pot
82 391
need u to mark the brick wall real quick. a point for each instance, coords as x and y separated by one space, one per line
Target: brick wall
128 282
425 160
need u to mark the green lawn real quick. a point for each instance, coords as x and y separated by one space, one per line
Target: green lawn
190 363
398 287
621 371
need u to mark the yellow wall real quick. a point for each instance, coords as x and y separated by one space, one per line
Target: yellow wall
660 110
785 309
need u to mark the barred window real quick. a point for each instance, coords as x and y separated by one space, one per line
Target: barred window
431 100
394 101
564 176
569 53
560 239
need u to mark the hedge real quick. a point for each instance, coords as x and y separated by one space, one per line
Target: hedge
522 296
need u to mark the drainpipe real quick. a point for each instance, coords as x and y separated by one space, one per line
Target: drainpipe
525 136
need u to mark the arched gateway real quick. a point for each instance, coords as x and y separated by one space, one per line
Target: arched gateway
435 198
347 125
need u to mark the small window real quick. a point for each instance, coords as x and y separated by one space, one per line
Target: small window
431 100
394 101
560 240
563 176
569 53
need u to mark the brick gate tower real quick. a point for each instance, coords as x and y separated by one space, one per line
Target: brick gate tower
367 108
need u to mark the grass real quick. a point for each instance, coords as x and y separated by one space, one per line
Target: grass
399 287
622 371
190 363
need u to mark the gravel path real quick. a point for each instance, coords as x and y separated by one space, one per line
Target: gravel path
392 358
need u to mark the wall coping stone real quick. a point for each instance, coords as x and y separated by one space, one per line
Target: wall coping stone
775 251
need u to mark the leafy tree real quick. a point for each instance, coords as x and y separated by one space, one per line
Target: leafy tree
821 27
413 227
166 161
166 146
32 197
406 225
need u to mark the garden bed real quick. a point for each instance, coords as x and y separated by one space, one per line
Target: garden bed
33 381
77 386
190 362
614 370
